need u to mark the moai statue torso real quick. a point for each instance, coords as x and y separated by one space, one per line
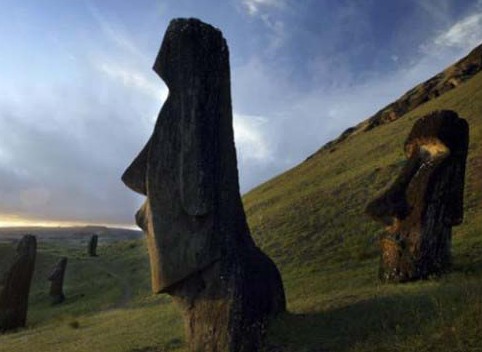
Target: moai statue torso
201 251
56 278
15 285
92 246
425 201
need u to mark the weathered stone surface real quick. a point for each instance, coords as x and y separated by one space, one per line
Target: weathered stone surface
425 201
92 246
15 285
56 278
201 251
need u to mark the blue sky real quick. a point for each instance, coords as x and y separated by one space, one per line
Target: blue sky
78 98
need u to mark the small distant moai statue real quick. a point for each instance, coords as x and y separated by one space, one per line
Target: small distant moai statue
200 247
56 278
425 201
15 285
92 246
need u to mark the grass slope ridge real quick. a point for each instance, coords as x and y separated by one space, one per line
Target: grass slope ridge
445 81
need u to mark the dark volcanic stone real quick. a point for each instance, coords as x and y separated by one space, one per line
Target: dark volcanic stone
92 246
15 285
425 201
56 278
201 251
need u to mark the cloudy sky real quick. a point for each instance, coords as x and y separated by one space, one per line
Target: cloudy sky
78 98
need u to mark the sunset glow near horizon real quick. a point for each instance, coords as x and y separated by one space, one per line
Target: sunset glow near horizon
78 98
12 221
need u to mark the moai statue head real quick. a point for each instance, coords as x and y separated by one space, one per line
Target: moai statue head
15 285
56 278
425 201
200 248
92 246
188 168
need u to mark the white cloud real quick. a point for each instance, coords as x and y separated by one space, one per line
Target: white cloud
5 156
261 9
133 79
466 33
253 7
277 31
437 9
113 31
251 142
34 197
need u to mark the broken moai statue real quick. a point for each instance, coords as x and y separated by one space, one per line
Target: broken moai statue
56 278
92 246
425 201
15 285
201 251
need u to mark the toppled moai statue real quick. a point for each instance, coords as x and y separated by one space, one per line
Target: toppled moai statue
56 278
201 251
92 246
425 201
15 285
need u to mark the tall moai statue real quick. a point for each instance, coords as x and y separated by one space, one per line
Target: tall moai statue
425 201
15 285
56 278
92 246
200 247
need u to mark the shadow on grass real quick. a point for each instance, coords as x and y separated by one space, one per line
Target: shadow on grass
377 319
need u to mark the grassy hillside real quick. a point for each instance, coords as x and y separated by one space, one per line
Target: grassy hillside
310 221
108 307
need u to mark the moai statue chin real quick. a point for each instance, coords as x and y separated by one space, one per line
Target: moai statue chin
201 251
15 285
56 278
425 201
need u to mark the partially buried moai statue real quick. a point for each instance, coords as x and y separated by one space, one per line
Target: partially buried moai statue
200 247
15 285
56 278
92 246
425 201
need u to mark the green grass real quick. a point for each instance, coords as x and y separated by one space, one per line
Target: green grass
310 221
109 305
